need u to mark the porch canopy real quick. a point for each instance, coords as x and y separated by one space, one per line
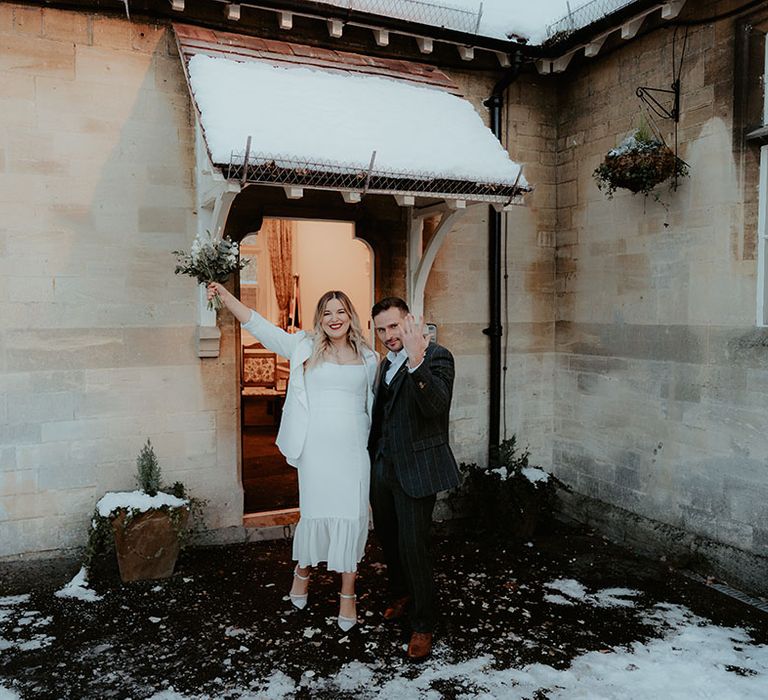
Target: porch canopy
295 116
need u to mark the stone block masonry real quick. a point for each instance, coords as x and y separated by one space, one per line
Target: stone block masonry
97 334
659 383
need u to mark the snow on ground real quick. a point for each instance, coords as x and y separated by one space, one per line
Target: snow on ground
560 620
78 588
572 591
498 19
692 659
8 694
24 627
285 109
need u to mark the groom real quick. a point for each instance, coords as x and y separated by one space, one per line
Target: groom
411 462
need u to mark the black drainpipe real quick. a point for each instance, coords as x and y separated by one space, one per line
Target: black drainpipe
495 329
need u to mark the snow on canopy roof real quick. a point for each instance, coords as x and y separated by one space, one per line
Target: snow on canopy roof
499 19
310 115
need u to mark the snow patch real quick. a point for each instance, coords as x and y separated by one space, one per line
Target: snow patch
136 500
78 588
168 694
615 598
693 659
277 686
9 600
299 113
573 591
8 694
557 599
535 474
569 587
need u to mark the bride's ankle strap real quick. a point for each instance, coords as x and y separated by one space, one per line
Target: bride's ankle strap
299 576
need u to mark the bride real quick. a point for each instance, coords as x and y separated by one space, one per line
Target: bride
324 433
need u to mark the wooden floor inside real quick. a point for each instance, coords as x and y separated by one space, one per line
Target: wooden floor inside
269 482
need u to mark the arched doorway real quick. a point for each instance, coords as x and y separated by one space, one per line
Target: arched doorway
319 255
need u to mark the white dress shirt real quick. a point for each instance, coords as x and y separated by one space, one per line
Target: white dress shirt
396 361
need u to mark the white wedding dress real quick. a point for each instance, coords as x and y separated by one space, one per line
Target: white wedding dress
334 469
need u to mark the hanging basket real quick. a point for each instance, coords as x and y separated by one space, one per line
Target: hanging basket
638 166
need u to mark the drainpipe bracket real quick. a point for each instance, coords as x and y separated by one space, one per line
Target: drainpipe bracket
494 331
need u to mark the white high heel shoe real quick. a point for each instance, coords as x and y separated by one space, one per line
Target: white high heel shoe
347 623
299 601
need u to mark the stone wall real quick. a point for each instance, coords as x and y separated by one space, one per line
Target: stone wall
661 382
97 340
457 291
97 347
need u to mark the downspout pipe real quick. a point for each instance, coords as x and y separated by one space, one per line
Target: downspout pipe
495 330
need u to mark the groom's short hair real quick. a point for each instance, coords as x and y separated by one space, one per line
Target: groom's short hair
389 303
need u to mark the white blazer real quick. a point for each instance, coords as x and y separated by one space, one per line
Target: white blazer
297 347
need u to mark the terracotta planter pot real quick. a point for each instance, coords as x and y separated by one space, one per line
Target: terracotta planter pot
148 546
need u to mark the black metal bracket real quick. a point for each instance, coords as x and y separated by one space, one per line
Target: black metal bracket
646 94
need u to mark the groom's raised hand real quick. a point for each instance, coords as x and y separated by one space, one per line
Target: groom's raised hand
414 340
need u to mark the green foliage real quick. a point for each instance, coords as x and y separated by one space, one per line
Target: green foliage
148 470
196 508
100 538
508 456
210 260
643 133
503 502
148 477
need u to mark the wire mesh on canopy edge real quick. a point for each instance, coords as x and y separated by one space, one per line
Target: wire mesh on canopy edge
586 15
435 14
271 169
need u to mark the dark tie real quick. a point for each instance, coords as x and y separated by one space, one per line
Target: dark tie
385 369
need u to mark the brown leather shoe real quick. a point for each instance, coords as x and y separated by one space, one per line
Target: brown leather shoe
420 646
397 609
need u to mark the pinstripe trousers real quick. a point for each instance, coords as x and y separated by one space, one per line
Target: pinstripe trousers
403 527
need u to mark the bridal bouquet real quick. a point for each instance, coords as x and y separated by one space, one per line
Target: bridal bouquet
210 260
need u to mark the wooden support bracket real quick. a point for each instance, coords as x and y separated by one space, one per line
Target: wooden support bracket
420 261
467 53
593 47
425 44
293 192
630 29
670 10
561 64
335 28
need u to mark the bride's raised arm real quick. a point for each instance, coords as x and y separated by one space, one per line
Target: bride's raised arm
270 336
239 310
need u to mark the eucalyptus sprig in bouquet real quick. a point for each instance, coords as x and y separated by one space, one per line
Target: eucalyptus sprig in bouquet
210 260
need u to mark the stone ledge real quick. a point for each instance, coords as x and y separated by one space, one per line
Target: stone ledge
681 549
208 341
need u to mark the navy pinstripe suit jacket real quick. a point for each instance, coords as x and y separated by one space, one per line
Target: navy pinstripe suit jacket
415 424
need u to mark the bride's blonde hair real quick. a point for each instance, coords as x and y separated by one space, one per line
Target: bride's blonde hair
322 343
